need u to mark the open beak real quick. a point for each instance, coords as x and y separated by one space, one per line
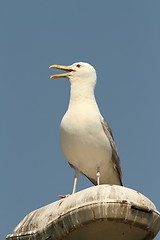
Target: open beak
68 69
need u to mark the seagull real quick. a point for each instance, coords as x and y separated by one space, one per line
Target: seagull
86 138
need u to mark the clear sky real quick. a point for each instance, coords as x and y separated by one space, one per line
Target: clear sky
121 39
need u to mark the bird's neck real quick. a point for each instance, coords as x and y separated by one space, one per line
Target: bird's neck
81 94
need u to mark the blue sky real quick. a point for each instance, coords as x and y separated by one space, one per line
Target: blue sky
121 40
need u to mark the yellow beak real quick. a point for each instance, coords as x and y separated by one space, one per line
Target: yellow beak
68 69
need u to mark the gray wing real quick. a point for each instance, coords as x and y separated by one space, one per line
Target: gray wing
115 157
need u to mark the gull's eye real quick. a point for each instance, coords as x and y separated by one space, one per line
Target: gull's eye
78 65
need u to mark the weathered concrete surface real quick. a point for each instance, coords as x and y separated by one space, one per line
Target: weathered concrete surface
97 213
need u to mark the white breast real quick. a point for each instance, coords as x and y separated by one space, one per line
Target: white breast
85 145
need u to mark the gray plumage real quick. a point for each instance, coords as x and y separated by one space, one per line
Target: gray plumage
115 156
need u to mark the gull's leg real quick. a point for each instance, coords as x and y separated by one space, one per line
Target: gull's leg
75 182
98 175
74 185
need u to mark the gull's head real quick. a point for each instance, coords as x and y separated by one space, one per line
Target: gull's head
80 72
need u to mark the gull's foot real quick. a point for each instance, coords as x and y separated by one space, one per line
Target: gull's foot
64 196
